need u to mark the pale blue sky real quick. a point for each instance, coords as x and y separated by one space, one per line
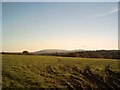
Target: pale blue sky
0 26
60 0
37 26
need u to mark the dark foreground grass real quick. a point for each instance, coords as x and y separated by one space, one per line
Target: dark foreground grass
35 72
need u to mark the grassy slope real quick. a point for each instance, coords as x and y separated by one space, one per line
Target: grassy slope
58 72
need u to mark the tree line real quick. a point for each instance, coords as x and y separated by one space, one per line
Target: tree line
110 54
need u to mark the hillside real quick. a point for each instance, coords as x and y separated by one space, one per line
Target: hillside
54 51
50 51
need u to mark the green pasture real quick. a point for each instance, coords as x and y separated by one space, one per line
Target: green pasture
32 71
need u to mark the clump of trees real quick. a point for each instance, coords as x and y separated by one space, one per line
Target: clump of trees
25 53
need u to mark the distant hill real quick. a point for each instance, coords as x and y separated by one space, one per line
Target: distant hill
52 51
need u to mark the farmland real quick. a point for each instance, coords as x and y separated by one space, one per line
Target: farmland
32 71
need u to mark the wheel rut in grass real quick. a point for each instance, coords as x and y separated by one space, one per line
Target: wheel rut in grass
73 80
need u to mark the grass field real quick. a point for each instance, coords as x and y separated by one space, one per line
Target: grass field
29 71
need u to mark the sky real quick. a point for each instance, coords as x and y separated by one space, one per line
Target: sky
59 0
0 26
64 25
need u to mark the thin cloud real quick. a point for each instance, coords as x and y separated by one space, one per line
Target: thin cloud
108 13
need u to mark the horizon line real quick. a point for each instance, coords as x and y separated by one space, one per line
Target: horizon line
59 49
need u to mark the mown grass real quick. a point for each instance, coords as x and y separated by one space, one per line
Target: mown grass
29 71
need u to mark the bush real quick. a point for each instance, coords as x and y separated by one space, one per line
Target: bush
25 53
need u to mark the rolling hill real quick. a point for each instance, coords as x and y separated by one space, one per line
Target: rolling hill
52 51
